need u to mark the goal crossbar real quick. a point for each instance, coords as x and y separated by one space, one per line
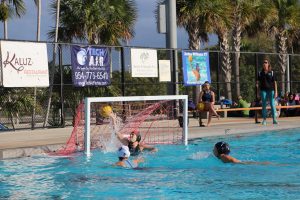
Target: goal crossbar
89 100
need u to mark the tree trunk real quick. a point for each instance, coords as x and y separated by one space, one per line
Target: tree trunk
237 30
282 50
194 44
225 61
52 69
12 120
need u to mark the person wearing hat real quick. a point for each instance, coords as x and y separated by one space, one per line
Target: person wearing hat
133 141
221 150
124 154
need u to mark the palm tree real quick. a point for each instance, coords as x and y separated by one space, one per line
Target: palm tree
52 65
15 102
199 17
244 15
285 20
220 22
8 9
189 16
97 21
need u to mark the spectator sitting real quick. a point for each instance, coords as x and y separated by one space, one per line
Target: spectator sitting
297 97
243 104
207 98
291 102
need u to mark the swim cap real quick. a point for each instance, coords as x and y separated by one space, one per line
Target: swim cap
123 152
222 148
136 136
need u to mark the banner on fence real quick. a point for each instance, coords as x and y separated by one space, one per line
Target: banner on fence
144 63
195 66
90 66
24 64
164 70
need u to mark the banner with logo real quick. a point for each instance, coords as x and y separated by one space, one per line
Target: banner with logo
90 66
164 70
144 63
24 64
195 66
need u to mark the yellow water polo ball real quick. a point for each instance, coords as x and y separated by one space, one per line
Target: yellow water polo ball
106 111
200 106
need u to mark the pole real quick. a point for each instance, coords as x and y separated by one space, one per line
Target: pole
62 113
218 78
38 38
171 41
288 83
256 72
122 71
52 65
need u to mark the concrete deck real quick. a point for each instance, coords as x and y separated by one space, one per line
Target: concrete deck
32 142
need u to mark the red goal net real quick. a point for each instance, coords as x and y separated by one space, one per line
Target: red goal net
157 122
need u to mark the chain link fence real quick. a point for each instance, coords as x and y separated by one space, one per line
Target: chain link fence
19 109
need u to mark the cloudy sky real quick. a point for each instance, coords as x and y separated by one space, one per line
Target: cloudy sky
145 29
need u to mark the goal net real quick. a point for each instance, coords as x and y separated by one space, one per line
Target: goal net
155 117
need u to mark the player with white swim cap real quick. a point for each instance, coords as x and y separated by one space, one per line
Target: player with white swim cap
124 154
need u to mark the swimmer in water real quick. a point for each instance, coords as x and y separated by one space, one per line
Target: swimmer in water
124 154
221 150
135 146
133 141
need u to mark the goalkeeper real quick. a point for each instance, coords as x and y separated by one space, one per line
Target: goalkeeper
133 141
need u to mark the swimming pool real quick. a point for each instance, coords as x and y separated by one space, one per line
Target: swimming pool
174 172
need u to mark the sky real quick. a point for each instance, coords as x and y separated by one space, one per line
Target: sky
146 34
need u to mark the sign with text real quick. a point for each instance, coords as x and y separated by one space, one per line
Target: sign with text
144 63
24 64
90 66
164 70
195 66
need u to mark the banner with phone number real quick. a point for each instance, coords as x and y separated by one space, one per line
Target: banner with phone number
90 66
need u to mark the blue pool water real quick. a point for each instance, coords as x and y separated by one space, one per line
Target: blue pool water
174 172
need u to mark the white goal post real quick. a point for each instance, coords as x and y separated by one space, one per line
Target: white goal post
89 100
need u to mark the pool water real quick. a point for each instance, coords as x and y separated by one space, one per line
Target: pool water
174 172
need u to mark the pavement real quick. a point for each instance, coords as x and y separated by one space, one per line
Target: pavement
14 144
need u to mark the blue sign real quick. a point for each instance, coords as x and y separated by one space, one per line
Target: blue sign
90 66
195 66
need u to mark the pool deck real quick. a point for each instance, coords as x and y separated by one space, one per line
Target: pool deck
23 143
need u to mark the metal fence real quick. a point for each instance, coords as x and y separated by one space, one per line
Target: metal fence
22 111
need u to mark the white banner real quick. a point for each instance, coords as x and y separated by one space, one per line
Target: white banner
24 64
164 70
144 63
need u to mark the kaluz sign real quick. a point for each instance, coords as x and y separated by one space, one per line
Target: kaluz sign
24 64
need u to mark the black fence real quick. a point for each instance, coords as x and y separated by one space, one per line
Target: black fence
21 109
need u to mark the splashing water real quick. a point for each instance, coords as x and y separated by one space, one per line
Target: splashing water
112 143
227 131
199 155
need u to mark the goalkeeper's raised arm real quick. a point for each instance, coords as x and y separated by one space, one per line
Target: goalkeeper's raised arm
120 136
